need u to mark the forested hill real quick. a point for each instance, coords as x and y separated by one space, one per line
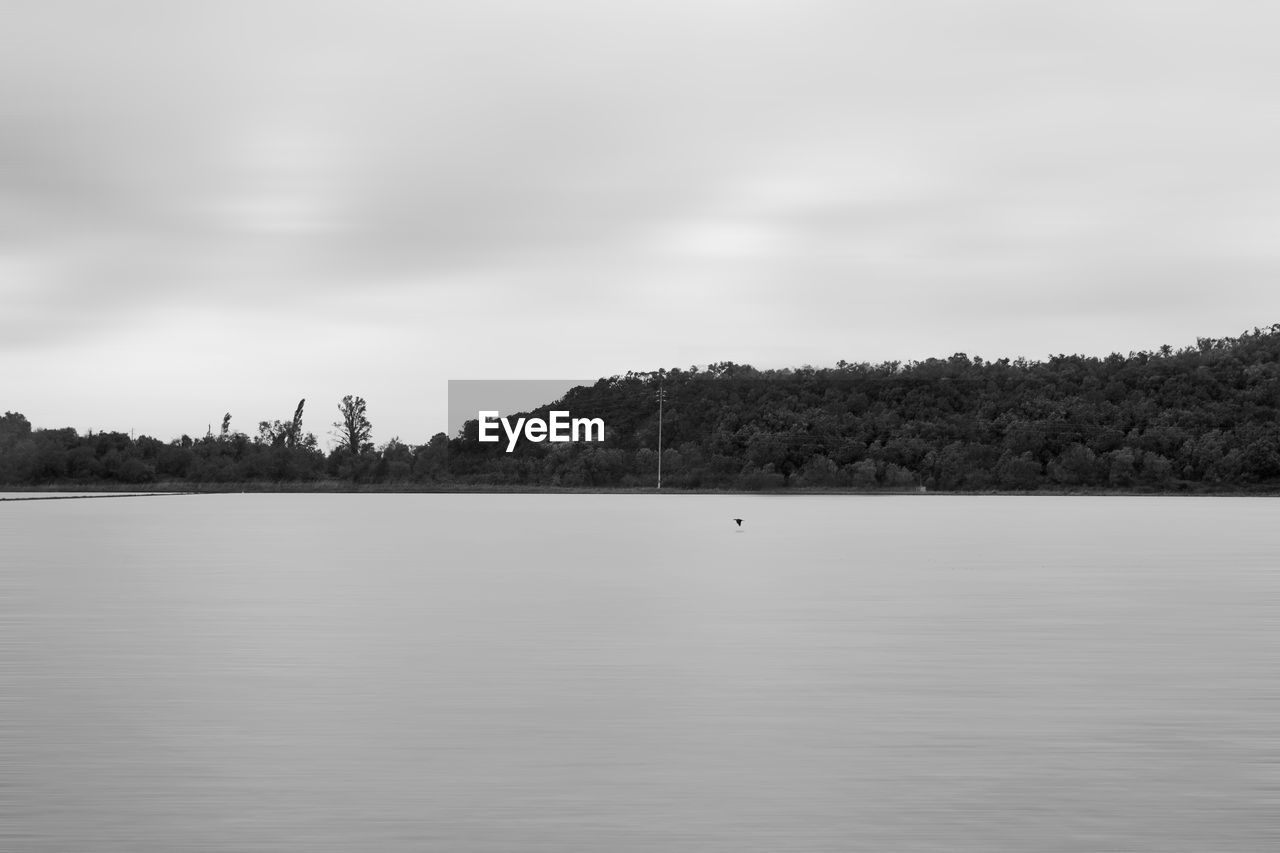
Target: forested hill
1203 417
1199 418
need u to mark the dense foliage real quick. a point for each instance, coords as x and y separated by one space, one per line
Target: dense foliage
279 452
1201 418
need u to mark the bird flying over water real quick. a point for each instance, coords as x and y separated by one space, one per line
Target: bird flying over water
739 521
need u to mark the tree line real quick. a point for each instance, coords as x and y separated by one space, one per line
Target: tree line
280 451
1200 418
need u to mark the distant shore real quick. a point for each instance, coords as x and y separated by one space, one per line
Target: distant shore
334 487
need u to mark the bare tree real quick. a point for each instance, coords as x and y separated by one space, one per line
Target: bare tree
354 430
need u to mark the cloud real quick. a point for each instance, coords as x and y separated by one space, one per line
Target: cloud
590 188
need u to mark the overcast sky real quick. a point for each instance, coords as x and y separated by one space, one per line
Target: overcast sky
211 207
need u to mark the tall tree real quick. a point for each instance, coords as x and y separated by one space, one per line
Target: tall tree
295 429
354 430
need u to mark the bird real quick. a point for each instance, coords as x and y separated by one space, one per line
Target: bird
739 521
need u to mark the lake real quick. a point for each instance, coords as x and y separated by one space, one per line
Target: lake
636 673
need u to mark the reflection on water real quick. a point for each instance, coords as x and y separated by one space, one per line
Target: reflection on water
634 673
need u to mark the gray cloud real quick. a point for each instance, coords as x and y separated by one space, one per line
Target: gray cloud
577 188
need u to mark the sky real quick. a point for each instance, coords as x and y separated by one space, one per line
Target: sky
225 207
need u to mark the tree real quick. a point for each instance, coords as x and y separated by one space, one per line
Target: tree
272 433
13 427
396 461
354 430
295 428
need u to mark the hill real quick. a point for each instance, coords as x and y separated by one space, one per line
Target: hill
1199 418
1202 417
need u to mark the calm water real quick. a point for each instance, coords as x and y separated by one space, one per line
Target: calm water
633 673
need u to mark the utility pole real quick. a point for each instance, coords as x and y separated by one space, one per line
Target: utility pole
662 394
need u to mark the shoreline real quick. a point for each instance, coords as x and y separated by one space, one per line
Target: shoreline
98 490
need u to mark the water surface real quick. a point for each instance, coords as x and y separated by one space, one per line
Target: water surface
634 673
